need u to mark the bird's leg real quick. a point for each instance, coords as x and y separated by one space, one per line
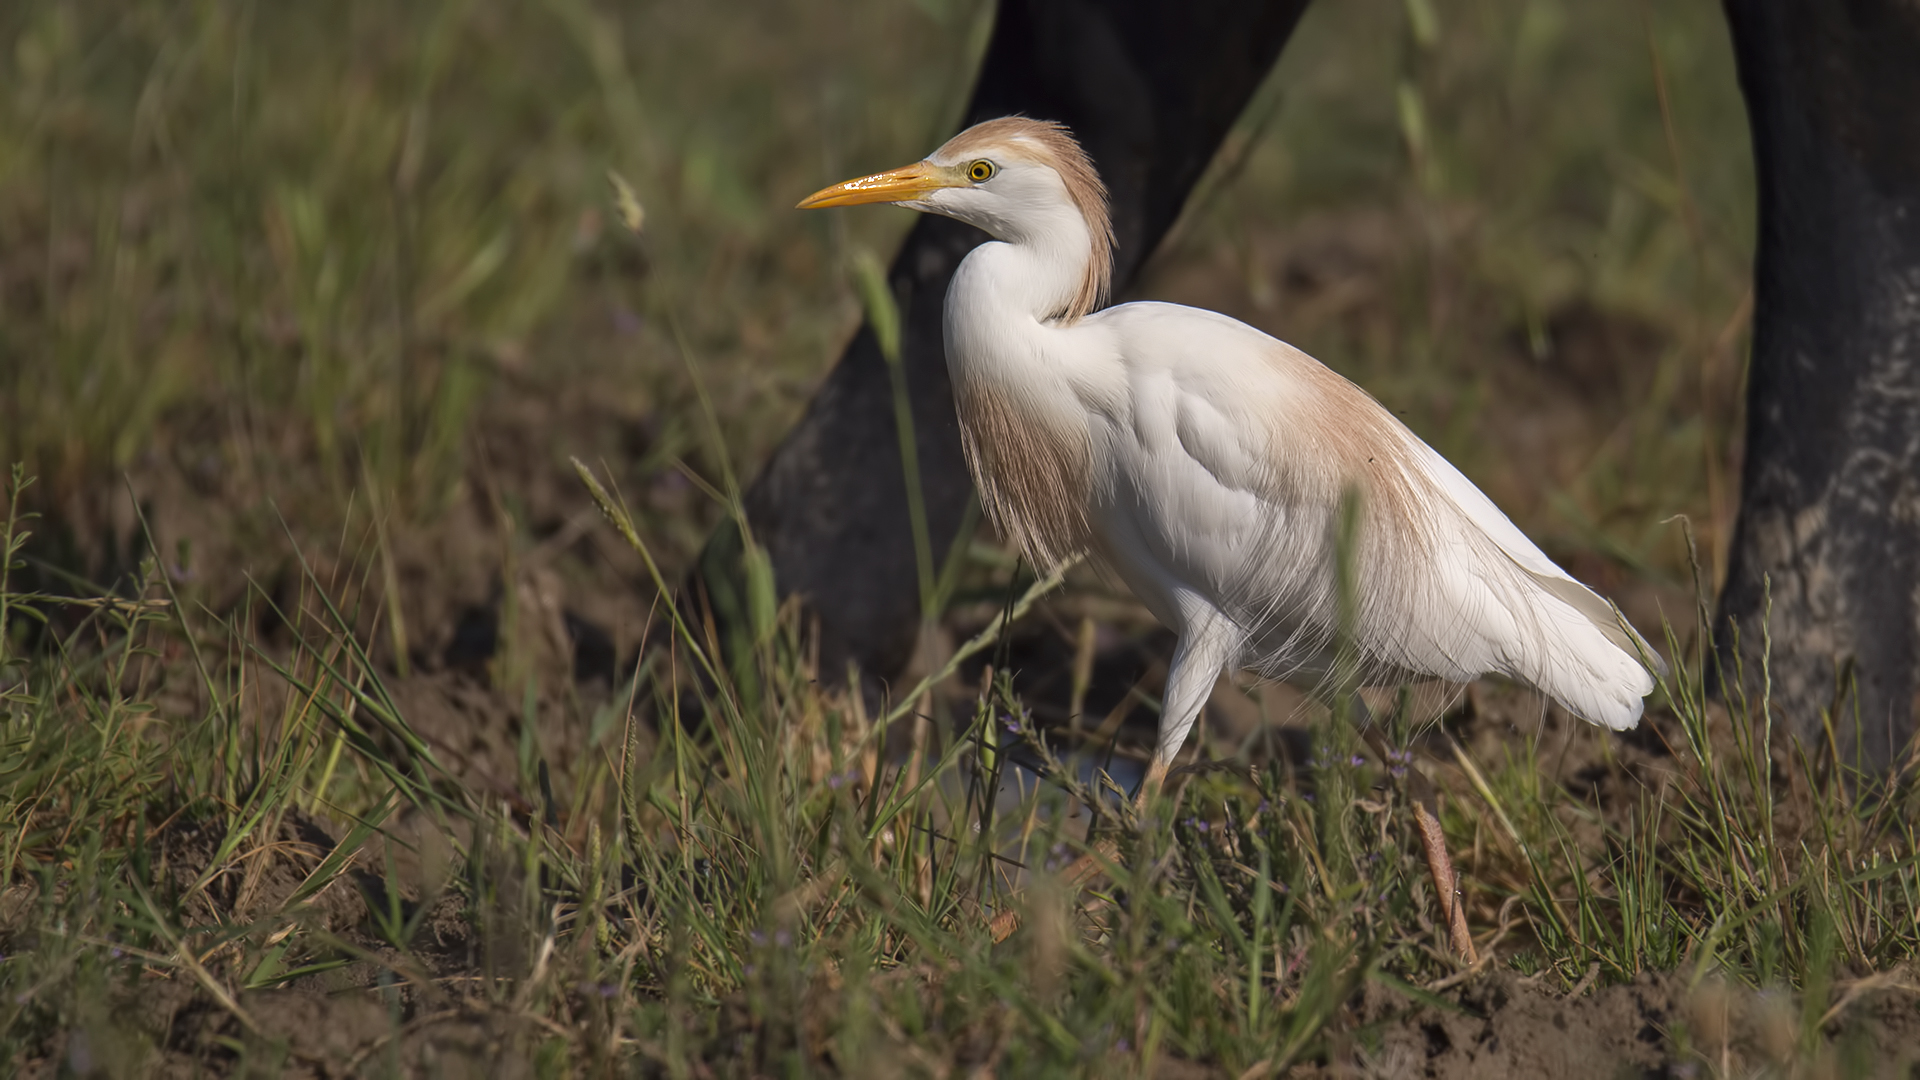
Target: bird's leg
1199 657
1151 784
1209 643
1433 840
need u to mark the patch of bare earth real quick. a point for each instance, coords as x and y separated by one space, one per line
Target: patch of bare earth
1507 1027
517 577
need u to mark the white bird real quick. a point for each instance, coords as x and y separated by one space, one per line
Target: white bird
1205 463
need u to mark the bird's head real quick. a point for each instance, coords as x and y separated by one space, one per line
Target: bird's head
1020 180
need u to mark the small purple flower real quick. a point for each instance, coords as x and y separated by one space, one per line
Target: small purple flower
1200 825
1356 761
782 939
1122 1046
758 937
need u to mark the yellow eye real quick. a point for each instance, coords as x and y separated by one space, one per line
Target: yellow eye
980 171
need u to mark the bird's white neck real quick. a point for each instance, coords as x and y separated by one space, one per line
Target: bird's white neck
1036 269
1019 383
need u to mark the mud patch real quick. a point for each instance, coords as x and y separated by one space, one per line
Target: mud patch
1508 1027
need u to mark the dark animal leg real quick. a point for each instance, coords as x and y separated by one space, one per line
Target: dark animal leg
1830 500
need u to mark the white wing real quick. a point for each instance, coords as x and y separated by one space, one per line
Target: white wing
1233 453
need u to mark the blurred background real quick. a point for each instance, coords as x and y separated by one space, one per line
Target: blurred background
347 282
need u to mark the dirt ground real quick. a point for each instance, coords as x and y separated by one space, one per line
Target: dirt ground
440 1019
554 592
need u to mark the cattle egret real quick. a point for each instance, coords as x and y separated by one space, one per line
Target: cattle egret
1205 464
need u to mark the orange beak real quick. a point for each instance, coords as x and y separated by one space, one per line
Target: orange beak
912 183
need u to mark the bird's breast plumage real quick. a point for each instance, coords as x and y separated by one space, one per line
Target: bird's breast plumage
1031 465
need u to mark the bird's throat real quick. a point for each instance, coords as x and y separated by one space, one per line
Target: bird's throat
1022 423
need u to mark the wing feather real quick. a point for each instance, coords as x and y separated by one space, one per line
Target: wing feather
1245 448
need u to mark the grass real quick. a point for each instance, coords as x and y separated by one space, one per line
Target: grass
779 895
305 315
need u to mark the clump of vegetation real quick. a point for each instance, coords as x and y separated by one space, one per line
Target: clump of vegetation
767 888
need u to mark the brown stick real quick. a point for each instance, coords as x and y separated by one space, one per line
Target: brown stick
1446 882
1433 841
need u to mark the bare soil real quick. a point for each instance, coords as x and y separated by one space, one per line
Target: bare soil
442 1016
519 571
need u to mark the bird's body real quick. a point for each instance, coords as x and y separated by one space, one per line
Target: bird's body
1206 465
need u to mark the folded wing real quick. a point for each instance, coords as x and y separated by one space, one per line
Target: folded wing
1245 448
